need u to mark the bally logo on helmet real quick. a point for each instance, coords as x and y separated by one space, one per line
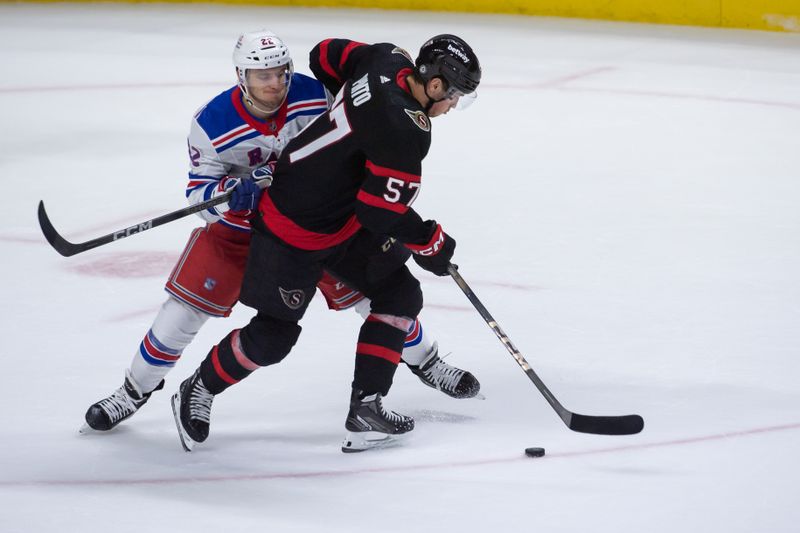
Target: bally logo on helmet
293 299
458 52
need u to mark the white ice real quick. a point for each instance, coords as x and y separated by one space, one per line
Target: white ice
626 203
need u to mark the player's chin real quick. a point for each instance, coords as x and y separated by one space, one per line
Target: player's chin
439 108
272 100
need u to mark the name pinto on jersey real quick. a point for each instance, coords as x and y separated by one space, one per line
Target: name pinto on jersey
359 92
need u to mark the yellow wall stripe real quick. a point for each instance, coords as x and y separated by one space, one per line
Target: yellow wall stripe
776 15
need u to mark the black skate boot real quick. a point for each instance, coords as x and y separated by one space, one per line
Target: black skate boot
369 425
451 380
109 412
191 406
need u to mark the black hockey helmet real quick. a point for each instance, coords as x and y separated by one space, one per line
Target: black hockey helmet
451 58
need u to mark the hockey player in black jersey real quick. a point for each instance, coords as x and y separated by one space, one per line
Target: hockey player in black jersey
341 201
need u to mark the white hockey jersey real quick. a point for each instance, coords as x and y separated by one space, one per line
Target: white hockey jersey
226 140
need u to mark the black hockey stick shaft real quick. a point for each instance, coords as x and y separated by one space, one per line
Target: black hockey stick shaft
67 249
600 425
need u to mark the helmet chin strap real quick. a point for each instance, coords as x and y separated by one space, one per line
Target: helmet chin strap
431 101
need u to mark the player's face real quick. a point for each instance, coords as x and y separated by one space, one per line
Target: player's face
449 98
442 107
268 86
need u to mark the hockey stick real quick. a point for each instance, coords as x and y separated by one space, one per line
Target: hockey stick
599 425
67 249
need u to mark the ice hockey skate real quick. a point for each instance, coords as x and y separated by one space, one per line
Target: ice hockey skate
451 380
106 414
370 426
191 406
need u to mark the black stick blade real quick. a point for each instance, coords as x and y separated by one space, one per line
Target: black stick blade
58 242
606 425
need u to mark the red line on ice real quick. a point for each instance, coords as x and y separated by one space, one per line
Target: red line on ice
405 468
554 84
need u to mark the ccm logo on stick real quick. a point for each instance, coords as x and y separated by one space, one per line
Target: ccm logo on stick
127 232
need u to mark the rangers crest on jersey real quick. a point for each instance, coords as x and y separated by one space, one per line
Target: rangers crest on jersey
420 119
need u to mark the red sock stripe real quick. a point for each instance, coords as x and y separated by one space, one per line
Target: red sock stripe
412 335
378 351
402 323
153 351
224 376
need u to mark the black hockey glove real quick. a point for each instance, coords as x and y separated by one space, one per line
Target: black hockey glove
434 256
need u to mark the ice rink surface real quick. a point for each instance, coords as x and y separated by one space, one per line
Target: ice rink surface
625 201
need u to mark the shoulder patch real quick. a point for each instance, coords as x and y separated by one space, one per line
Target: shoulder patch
398 50
420 119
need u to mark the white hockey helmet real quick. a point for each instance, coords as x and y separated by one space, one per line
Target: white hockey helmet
260 49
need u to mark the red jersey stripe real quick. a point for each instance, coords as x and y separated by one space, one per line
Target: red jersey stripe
312 103
381 203
347 49
387 172
238 131
292 234
323 60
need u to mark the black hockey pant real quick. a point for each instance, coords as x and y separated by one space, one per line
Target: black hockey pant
280 282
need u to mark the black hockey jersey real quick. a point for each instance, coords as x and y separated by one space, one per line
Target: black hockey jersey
359 164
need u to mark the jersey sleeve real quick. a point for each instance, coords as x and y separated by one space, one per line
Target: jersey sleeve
207 172
333 61
392 182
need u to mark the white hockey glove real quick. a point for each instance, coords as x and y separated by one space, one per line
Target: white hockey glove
263 175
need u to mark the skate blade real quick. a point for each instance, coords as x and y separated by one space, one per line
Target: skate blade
186 441
86 429
355 442
479 396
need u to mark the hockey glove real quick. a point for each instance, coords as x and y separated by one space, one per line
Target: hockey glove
246 195
263 175
434 256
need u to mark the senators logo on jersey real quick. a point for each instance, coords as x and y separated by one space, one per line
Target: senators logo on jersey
293 299
420 119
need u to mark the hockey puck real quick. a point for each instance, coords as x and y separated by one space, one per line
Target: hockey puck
534 452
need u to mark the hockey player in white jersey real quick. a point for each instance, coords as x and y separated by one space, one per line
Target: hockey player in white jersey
233 142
